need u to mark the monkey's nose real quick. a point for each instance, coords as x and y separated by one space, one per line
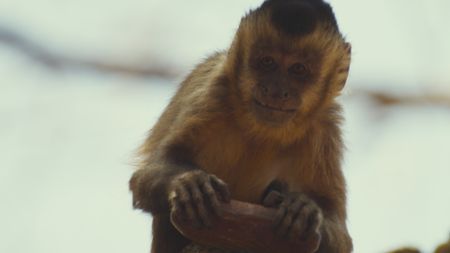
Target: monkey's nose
275 93
280 95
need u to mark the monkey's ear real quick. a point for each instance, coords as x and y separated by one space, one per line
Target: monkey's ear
344 68
348 48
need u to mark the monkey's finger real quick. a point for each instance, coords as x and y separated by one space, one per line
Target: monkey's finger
173 197
177 209
182 194
199 202
297 229
184 198
273 199
212 197
314 233
296 205
191 215
315 222
177 200
174 203
221 187
299 224
308 219
285 225
281 212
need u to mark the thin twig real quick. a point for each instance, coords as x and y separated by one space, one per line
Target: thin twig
389 99
57 62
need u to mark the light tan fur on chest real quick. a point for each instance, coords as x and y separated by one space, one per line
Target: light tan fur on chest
246 166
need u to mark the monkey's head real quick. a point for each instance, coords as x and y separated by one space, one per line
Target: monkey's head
287 62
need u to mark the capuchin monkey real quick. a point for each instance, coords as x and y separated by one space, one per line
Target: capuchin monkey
259 117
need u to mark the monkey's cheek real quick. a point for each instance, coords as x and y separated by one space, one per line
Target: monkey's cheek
271 117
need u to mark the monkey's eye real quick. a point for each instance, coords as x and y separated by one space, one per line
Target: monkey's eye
299 69
267 63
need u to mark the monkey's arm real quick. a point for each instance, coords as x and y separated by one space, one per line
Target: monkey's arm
310 216
172 183
168 152
332 203
150 186
330 197
302 216
330 194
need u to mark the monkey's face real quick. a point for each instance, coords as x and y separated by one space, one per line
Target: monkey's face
281 81
287 82
292 60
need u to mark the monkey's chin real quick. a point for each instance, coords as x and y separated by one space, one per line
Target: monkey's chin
271 116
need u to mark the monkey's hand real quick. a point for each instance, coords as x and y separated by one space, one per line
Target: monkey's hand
195 197
299 218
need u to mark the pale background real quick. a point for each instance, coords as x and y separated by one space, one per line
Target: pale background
69 129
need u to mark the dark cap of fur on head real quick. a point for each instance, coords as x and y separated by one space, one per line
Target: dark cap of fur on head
300 17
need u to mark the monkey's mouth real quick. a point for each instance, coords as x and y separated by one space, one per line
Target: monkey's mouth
272 108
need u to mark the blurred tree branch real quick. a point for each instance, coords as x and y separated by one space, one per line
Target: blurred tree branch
55 61
389 99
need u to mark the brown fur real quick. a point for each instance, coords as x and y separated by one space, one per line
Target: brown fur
406 250
207 126
443 248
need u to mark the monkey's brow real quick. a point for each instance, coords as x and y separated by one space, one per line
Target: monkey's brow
283 46
265 47
301 52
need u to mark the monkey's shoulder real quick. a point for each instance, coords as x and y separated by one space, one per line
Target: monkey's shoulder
198 99
204 74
